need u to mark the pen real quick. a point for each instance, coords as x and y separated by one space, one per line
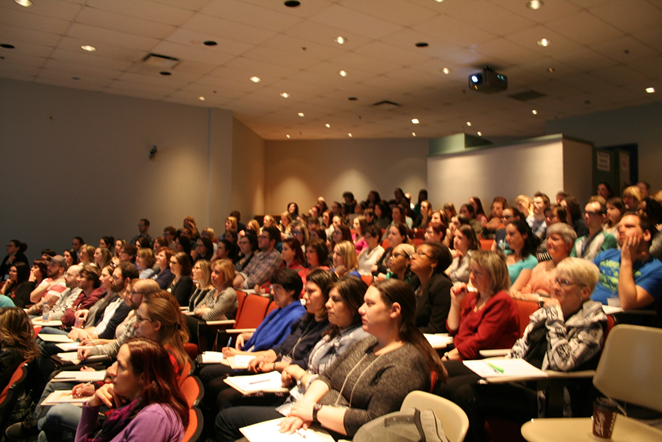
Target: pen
259 382
495 368
301 433
229 341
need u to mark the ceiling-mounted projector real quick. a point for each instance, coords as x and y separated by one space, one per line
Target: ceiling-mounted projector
488 81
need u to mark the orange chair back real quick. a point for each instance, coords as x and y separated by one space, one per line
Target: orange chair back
417 242
192 390
367 279
486 244
195 426
386 244
525 309
253 312
241 297
272 307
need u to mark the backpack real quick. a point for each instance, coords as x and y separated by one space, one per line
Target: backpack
411 425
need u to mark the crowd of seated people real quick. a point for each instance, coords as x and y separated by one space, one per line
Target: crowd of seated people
428 275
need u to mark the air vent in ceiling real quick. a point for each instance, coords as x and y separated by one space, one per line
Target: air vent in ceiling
386 105
527 95
161 61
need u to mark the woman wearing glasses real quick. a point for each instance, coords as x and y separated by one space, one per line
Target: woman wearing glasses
566 334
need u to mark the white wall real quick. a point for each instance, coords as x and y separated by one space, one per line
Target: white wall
301 171
76 162
640 125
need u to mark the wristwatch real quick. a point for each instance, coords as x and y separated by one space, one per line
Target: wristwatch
316 408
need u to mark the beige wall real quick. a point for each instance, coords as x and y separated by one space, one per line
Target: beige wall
248 171
301 171
77 163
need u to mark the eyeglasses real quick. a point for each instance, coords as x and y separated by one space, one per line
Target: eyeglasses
135 293
141 319
397 255
566 283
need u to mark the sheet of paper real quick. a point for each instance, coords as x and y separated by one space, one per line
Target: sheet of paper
241 361
63 397
82 376
212 357
72 346
54 338
505 368
40 322
268 431
264 382
441 340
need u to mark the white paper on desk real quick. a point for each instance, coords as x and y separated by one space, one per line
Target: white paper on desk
54 338
212 357
257 383
269 431
516 368
611 309
82 376
63 397
240 361
441 340
69 346
71 357
47 323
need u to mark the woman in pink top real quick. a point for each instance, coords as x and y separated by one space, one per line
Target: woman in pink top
489 317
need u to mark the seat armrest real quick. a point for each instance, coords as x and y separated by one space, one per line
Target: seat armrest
500 352
222 322
571 374
236 331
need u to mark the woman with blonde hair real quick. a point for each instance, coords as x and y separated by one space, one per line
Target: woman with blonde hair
524 205
145 261
489 318
201 274
449 210
345 259
285 224
86 254
632 196
254 226
102 257
221 302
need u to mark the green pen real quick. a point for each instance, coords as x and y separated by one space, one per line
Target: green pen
495 368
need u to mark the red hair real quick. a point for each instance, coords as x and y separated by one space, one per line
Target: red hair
150 361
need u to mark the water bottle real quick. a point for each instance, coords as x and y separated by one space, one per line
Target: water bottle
46 312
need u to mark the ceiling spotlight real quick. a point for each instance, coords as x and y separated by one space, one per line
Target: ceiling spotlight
201 98
88 48
468 123
438 1
255 79
415 120
650 90
413 134
552 70
301 114
342 73
327 125
292 3
284 95
349 135
421 44
534 112
534 4
446 71
340 40
24 3
209 43
480 134
544 42
165 73
288 135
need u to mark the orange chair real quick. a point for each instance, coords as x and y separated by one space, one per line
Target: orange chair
252 314
486 244
385 244
525 309
193 390
417 242
11 393
195 426
367 279
187 371
272 306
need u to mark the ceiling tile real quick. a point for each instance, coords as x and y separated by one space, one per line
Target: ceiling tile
356 22
84 80
584 28
195 40
487 16
549 11
81 70
22 60
298 46
624 49
18 71
629 15
584 59
53 8
502 49
253 15
103 49
279 58
69 84
87 58
122 23
12 35
230 30
394 11
28 49
183 52
155 12
35 22
325 35
391 54
452 30
242 69
94 34
529 37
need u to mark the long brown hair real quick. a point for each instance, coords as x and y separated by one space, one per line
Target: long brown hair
394 290
163 307
16 331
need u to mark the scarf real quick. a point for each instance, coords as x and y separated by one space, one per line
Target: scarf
116 422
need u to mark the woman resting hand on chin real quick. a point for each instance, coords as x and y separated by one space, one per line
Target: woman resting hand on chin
149 404
373 377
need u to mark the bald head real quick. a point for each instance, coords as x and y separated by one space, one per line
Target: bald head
139 288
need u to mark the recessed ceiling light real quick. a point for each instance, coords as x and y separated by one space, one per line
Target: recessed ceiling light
165 73
438 1
349 135
255 79
340 40
24 3
534 112
292 3
480 134
327 125
415 120
342 73
413 134
534 4
288 135
650 90
352 98
7 46
284 95
468 123
552 70
209 43
301 114
422 44
446 71
544 42
88 48
201 98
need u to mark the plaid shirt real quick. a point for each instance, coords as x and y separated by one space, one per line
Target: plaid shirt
261 267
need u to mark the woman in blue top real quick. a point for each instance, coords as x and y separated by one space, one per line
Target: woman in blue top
286 286
522 260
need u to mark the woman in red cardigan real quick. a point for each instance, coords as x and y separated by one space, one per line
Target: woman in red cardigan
489 316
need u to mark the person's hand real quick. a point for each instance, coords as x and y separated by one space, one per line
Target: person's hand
458 292
547 302
82 390
32 277
291 374
290 425
73 334
630 246
83 353
241 340
266 366
105 396
259 290
229 351
254 364
82 314
374 269
380 277
340 270
303 409
86 368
